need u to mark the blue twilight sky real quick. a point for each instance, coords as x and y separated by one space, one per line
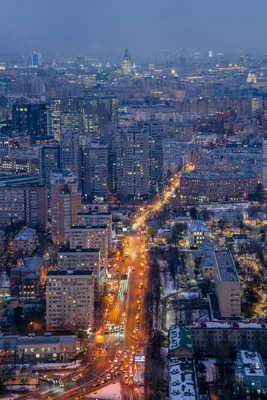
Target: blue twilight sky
146 27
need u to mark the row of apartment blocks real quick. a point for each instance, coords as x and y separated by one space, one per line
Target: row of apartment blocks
86 231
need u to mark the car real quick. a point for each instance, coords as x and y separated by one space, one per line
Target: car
76 377
52 360
116 360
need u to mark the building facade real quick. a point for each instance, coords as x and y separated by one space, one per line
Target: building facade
69 300
66 203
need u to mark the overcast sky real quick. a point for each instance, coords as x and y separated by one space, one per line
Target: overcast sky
146 27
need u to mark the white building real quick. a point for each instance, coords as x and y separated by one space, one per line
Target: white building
69 300
198 233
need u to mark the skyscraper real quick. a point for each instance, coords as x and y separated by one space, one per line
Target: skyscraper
69 144
93 171
91 113
36 59
156 136
139 159
132 160
49 156
126 63
31 119
66 203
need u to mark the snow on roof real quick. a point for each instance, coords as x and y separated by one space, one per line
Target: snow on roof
198 226
251 362
182 379
228 325
25 234
109 392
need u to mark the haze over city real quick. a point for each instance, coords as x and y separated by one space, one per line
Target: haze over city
133 200
68 27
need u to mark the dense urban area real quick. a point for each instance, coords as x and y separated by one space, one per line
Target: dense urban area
133 221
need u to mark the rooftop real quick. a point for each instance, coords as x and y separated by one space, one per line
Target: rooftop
198 226
226 266
228 325
78 250
88 227
14 341
69 272
180 337
25 234
182 384
251 362
218 175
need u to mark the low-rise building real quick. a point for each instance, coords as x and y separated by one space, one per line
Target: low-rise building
180 341
69 300
220 186
251 377
62 348
198 233
210 336
25 242
27 276
227 284
182 377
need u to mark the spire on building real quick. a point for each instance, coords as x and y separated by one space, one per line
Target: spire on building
126 62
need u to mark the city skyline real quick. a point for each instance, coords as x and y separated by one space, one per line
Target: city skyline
148 30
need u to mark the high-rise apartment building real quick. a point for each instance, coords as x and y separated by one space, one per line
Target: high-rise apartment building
91 237
26 204
227 284
72 121
156 138
107 137
94 112
49 157
93 171
132 161
31 119
139 158
66 203
69 300
81 259
97 218
4 147
264 163
69 143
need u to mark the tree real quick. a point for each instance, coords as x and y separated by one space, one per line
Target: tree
193 213
206 215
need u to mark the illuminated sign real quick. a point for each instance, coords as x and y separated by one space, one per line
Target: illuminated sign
139 358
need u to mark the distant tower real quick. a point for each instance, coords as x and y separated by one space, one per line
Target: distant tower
36 59
126 63
252 78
